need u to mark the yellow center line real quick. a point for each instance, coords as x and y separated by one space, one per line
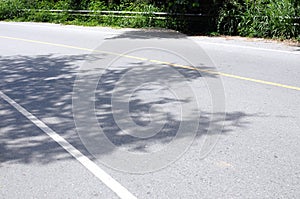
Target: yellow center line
47 43
158 62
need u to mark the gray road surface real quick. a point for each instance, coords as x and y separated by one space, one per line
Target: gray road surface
256 154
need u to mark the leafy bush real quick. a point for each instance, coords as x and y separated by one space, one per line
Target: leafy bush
10 9
134 20
260 18
268 19
229 17
255 18
97 5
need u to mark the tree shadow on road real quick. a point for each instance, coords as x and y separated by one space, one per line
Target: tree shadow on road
141 110
149 34
43 85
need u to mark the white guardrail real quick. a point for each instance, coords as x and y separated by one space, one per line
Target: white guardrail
132 14
159 15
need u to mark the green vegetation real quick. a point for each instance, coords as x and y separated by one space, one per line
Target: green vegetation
252 18
260 18
34 10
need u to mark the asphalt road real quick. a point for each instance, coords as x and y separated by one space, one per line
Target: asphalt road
151 114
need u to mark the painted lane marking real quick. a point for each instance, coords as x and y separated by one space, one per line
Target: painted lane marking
230 75
249 47
104 177
161 62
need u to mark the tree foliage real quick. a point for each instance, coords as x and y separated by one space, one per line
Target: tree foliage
257 18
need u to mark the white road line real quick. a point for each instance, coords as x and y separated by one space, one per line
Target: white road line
115 186
247 47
